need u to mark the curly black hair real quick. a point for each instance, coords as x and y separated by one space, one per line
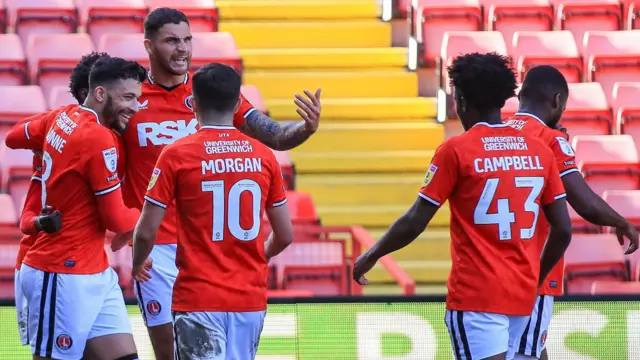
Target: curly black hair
110 69
485 81
79 78
541 82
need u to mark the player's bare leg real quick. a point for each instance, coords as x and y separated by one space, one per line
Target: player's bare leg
162 341
543 355
502 356
111 347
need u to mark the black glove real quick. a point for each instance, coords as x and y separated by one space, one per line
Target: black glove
49 221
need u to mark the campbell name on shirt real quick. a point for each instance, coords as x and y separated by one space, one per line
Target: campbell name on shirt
506 163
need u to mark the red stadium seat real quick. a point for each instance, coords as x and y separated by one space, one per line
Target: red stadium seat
612 56
608 162
3 17
127 46
8 214
626 203
15 167
433 18
115 16
587 111
12 61
29 17
14 106
215 47
626 109
301 207
580 16
556 48
321 280
8 252
202 14
60 96
397 9
288 170
511 106
509 16
615 288
590 258
52 57
630 14
252 94
456 43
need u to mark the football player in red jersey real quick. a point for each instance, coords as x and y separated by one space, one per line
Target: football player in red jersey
34 218
496 180
76 307
165 116
543 98
222 181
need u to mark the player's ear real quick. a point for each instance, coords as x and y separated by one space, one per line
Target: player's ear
100 93
147 46
556 101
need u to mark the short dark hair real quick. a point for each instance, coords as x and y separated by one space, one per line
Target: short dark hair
485 81
160 17
109 69
79 78
542 82
216 87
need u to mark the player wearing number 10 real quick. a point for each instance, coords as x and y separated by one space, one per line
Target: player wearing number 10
221 182
496 180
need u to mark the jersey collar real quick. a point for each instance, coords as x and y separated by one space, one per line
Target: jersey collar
217 127
82 107
150 78
490 125
530 115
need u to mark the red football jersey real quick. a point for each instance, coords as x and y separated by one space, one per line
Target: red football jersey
80 160
221 181
566 163
33 203
496 178
164 117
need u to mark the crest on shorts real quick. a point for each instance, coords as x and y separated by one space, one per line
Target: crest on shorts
153 307
565 146
429 175
187 102
543 337
154 178
110 159
64 342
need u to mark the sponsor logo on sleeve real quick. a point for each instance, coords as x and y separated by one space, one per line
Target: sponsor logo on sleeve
110 159
154 178
565 147
429 175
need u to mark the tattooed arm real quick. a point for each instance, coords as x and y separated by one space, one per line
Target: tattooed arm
283 137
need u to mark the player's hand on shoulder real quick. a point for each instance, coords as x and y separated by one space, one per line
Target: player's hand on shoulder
121 240
364 263
563 130
628 231
49 220
309 109
141 273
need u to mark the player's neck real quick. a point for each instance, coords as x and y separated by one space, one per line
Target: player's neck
532 109
491 117
164 78
95 106
215 120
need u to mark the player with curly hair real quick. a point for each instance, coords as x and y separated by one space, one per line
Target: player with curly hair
496 179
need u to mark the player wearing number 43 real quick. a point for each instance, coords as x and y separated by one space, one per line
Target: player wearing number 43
496 180
543 98
220 293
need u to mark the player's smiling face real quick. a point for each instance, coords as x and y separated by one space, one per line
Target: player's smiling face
171 48
121 103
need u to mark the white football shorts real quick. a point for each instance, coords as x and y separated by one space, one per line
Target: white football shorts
154 295
534 337
22 310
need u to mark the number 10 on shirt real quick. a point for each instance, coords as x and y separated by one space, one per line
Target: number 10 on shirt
504 217
232 206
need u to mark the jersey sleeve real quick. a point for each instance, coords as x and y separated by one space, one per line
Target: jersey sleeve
243 111
277 192
441 177
101 168
161 189
563 152
33 200
29 133
554 188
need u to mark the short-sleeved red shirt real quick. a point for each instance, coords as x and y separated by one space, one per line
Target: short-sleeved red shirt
496 180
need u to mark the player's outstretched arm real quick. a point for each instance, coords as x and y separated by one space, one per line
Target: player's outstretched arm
596 211
402 233
144 235
282 235
559 236
283 137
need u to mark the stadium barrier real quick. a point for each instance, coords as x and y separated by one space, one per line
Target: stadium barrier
399 328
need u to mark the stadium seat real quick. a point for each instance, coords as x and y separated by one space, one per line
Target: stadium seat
456 43
12 61
13 106
8 252
625 203
587 111
301 207
433 18
115 16
202 14
509 16
511 106
252 93
626 109
396 9
211 47
556 48
52 57
60 96
608 162
9 215
287 168
127 46
14 166
321 280
580 16
615 288
630 14
29 17
611 56
591 258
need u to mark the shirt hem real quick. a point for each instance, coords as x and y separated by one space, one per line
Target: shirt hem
62 270
219 309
